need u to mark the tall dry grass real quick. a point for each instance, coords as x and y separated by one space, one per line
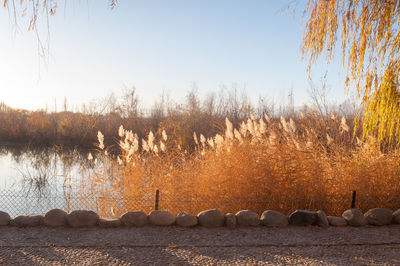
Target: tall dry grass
303 162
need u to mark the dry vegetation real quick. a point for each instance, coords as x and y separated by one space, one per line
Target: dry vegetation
78 126
307 161
215 154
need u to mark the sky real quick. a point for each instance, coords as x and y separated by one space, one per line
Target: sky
159 46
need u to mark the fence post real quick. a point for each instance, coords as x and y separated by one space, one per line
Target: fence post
157 199
353 201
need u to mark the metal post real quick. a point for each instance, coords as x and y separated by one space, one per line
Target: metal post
157 199
353 201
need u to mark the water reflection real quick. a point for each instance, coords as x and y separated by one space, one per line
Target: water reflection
41 171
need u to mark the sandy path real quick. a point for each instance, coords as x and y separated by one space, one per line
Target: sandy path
166 245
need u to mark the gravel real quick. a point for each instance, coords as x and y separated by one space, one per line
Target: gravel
199 246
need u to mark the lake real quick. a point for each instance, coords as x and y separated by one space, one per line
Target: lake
34 180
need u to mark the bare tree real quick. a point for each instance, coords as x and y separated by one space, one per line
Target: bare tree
129 104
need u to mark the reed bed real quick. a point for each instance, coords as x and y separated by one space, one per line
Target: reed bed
284 164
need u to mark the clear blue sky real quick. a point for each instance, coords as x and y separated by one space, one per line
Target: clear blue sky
159 45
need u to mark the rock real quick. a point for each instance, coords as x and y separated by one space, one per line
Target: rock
396 217
55 217
82 218
27 220
230 220
136 218
379 216
336 221
322 220
354 217
247 218
4 218
211 218
186 219
303 218
274 219
109 222
158 217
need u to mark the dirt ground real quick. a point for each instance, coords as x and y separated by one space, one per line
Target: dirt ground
200 246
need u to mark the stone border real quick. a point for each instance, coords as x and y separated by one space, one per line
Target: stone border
208 218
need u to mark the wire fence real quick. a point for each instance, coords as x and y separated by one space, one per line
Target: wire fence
19 203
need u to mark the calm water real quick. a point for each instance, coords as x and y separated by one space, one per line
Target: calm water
35 180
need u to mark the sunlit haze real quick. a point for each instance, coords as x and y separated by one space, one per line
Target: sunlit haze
158 46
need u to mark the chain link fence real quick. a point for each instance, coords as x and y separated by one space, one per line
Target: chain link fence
19 203
16 203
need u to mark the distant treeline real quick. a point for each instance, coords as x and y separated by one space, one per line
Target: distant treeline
206 116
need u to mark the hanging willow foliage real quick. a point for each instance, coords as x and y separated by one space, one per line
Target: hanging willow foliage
35 8
382 109
370 44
